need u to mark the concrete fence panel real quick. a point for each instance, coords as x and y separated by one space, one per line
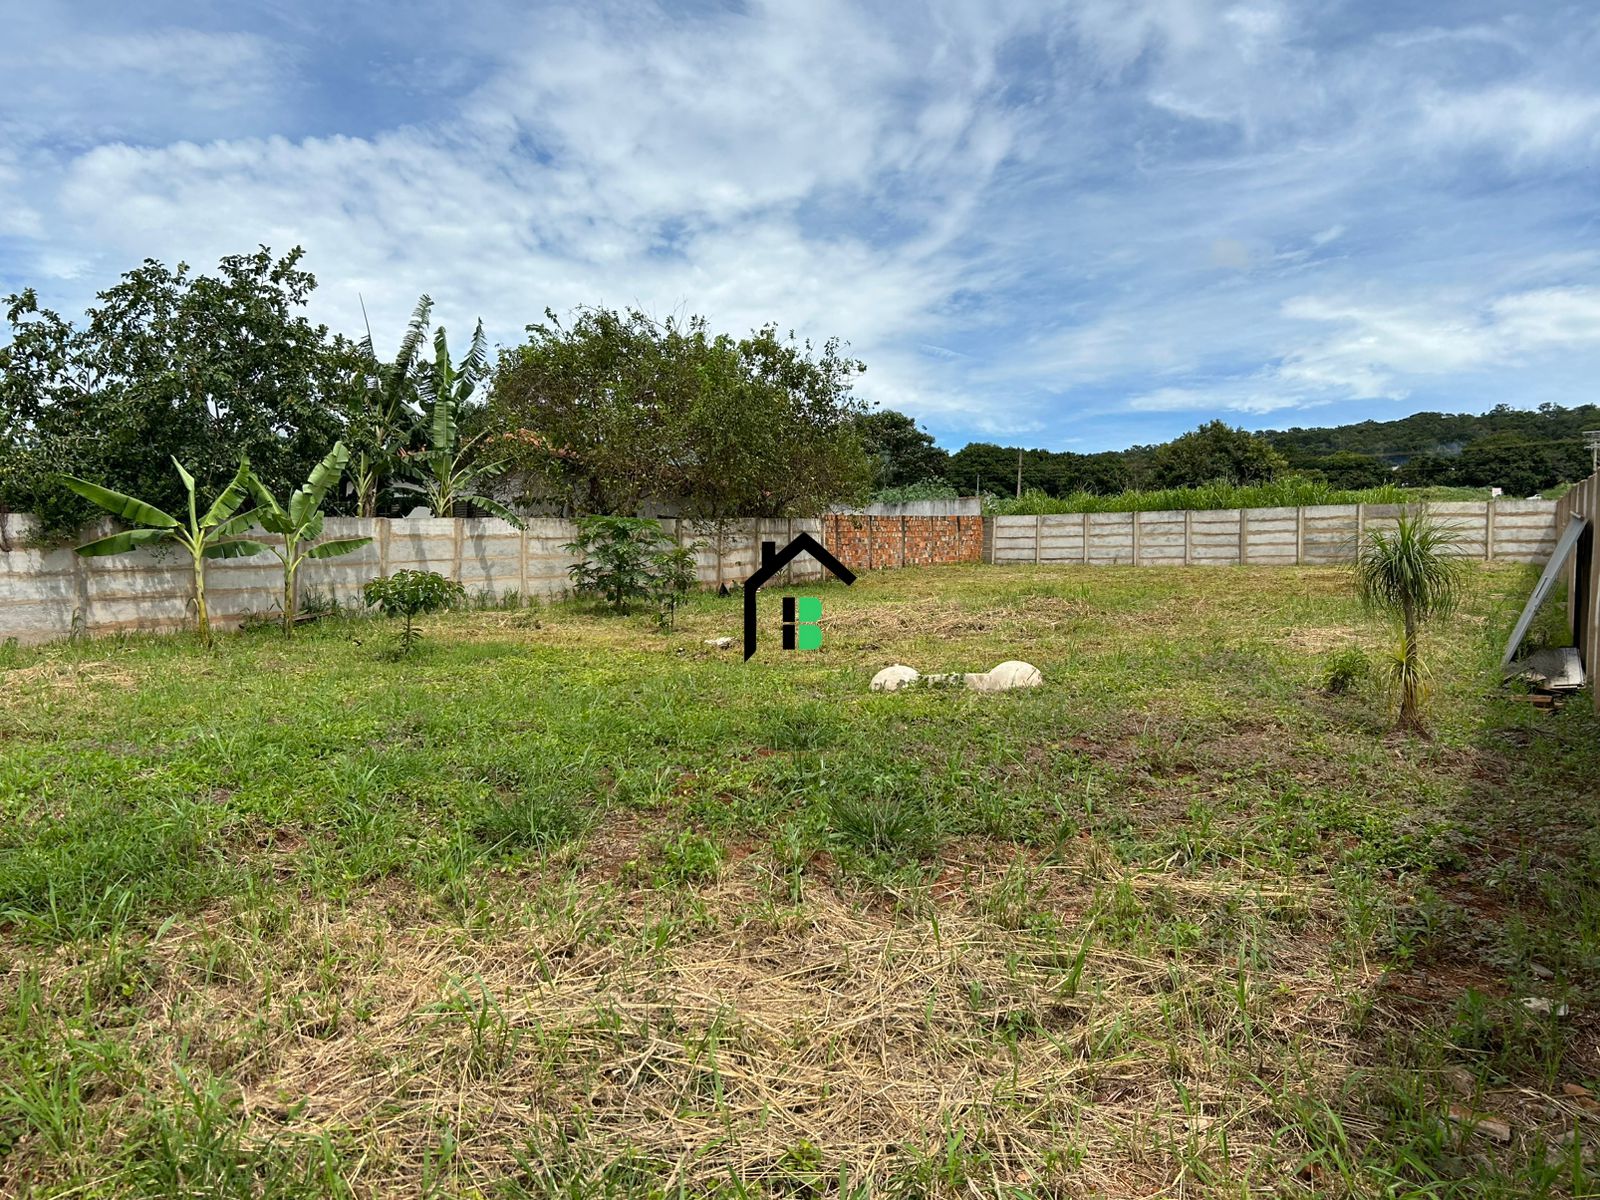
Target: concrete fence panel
1321 535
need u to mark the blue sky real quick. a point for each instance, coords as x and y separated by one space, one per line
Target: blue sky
1077 226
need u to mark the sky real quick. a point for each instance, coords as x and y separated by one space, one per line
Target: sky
1078 226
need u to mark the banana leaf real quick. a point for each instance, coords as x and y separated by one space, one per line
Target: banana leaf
337 546
231 498
123 506
121 543
308 498
237 548
495 507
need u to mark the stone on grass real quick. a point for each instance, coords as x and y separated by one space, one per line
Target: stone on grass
892 679
1005 676
721 643
1543 1006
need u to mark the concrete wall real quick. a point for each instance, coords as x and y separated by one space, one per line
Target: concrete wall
48 594
966 506
1509 530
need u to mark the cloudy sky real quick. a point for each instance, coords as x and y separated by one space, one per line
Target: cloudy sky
1076 226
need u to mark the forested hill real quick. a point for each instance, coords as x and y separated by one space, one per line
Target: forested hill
1438 433
1518 450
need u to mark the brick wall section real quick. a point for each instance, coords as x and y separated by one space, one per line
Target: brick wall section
866 543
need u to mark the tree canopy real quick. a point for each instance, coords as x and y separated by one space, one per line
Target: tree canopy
168 364
618 410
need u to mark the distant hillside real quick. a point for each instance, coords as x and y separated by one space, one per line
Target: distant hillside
1521 451
1442 434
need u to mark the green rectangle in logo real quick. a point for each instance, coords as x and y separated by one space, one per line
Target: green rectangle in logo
808 608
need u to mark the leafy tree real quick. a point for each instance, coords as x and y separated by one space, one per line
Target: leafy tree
1426 470
213 535
1216 453
451 469
928 489
1411 573
618 410
167 364
1508 461
1349 471
299 524
902 454
409 595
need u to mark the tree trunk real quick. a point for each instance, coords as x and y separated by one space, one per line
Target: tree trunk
202 619
1410 705
288 600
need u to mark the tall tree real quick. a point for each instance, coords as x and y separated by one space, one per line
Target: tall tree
1216 452
901 452
168 363
618 410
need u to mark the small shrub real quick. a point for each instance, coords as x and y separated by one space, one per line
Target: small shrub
675 576
628 559
411 594
1345 670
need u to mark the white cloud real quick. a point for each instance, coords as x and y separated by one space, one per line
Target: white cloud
1169 206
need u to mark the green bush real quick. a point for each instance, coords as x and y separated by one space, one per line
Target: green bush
410 594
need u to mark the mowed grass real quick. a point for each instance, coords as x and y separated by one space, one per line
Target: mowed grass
566 905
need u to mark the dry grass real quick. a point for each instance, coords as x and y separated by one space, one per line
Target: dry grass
766 1040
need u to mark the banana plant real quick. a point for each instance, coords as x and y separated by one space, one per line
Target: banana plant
450 471
214 535
299 524
382 421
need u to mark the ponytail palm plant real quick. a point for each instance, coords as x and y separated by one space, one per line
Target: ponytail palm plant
1413 573
214 535
299 524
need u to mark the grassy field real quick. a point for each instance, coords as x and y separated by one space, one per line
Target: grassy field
564 905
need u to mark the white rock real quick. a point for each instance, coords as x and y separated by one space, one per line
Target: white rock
892 679
1005 676
1543 1006
722 643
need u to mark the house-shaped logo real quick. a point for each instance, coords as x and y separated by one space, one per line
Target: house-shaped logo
800 628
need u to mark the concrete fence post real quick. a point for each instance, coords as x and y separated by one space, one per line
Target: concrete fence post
1299 535
1188 536
1135 523
522 569
1244 537
1488 530
1361 527
1038 539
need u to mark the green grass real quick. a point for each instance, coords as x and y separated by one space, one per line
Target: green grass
567 905
1290 492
